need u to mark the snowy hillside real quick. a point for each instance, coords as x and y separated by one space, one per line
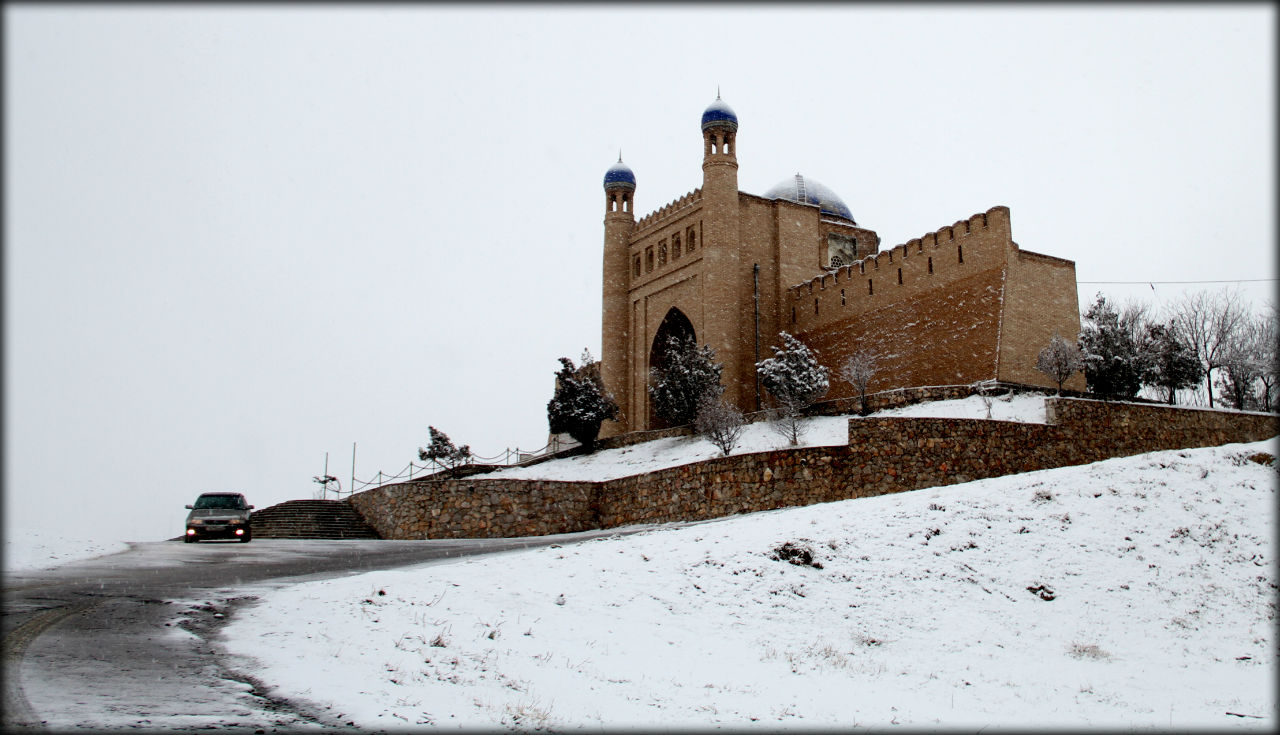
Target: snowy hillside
760 437
1136 592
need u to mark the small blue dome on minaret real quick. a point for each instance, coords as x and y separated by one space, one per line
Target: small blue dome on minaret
719 114
619 176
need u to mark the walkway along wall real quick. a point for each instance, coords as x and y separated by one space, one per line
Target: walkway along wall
884 455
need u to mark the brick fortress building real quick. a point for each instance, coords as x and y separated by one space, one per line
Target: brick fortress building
958 305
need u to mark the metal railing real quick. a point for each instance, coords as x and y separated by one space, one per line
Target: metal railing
507 458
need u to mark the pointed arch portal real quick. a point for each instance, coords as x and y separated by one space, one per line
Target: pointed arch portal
674 324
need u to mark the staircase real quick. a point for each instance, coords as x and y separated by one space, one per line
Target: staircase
326 519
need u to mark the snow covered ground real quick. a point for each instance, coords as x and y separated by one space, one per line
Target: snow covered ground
28 549
1136 592
760 437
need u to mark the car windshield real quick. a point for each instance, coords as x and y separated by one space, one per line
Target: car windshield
205 502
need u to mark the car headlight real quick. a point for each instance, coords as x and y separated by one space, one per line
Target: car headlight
236 521
195 522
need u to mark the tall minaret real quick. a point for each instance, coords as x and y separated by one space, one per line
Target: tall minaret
719 147
725 277
619 220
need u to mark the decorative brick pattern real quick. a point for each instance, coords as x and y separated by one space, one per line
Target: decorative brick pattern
884 455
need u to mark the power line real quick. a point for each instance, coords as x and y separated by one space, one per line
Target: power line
1232 280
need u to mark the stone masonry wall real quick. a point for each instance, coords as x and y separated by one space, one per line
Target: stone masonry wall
884 455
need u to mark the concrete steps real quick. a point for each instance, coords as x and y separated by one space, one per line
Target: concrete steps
322 519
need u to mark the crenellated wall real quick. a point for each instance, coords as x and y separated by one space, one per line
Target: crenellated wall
934 261
961 304
659 216
883 455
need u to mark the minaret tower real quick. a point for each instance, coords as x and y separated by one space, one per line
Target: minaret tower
619 221
719 147
725 277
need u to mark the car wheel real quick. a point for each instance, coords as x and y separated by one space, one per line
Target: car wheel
188 539
246 538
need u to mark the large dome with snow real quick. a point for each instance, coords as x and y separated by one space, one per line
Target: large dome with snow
807 191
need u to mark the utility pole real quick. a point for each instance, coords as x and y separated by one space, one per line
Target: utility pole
755 286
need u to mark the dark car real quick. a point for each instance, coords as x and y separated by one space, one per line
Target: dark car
219 515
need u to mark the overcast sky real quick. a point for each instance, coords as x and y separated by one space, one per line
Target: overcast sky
237 238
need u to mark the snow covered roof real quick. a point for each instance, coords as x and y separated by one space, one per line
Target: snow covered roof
808 191
719 113
619 176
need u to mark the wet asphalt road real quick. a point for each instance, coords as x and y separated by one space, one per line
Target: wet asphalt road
130 640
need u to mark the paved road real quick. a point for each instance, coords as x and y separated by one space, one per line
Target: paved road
130 640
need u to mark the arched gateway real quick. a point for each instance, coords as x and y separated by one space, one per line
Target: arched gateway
674 324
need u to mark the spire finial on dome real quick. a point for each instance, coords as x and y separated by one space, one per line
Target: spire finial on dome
719 114
619 175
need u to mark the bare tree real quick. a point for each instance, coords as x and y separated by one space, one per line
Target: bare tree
719 422
1060 360
858 370
985 391
1207 322
1248 365
1269 354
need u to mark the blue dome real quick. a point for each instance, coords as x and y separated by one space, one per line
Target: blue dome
719 113
619 176
807 191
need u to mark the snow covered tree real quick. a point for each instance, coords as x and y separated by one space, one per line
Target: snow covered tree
1173 365
442 451
1116 359
580 403
687 376
719 422
857 371
795 379
1059 360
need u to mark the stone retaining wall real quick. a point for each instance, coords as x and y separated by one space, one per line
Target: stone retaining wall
884 455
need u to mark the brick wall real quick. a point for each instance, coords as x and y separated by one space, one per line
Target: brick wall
884 455
941 336
1039 302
